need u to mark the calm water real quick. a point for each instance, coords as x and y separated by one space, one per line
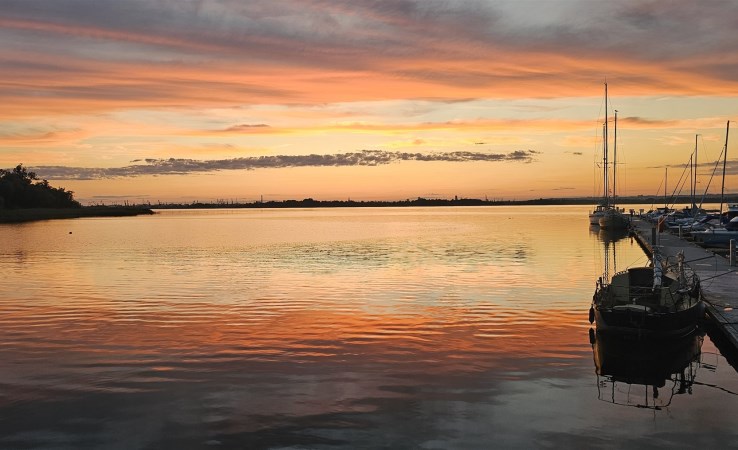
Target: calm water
334 328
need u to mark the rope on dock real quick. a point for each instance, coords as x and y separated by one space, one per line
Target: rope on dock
724 273
700 259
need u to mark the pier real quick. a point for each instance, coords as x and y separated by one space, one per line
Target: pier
718 279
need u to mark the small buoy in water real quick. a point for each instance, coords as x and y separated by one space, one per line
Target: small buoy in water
70 232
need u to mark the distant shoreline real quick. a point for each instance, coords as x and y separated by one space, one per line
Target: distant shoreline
33 214
311 203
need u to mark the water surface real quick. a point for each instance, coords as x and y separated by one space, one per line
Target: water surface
330 328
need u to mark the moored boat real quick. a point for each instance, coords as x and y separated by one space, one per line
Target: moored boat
717 236
605 205
594 216
613 219
661 300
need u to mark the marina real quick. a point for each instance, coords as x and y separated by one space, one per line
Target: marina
719 280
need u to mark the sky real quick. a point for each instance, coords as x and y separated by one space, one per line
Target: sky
237 100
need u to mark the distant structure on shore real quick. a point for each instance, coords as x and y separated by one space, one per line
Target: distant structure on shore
456 201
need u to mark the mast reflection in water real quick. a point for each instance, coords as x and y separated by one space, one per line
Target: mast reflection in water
645 374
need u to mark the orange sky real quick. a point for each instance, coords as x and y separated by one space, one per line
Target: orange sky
89 88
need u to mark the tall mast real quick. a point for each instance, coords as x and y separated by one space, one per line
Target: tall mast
725 158
666 180
691 178
604 168
605 138
615 159
694 191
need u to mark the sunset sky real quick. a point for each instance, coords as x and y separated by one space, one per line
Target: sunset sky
178 100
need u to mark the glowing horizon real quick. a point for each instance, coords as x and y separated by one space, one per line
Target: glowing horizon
106 88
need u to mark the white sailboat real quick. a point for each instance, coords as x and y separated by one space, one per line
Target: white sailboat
599 211
612 218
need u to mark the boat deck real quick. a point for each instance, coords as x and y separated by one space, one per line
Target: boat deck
719 280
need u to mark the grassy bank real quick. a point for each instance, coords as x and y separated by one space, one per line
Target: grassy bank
31 214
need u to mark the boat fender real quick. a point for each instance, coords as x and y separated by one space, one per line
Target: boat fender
591 314
592 336
695 291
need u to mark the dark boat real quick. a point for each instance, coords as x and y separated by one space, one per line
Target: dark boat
646 375
660 301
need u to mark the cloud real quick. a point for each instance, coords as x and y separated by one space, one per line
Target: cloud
245 128
731 167
72 55
175 166
41 136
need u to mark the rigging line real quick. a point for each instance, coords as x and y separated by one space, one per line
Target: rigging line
720 275
715 271
637 261
716 306
674 197
657 191
682 180
595 168
700 259
714 169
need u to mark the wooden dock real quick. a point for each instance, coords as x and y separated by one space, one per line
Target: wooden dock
719 281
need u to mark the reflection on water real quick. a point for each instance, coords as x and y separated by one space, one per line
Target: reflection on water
373 328
645 374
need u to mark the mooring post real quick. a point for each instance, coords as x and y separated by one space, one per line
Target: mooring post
732 252
653 236
680 231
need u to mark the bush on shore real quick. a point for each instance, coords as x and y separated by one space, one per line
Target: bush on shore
20 188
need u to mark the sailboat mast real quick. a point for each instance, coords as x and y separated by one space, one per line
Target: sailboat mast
694 189
605 138
615 159
666 180
725 158
691 178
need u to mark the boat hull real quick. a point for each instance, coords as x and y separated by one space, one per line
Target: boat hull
715 238
596 215
614 220
648 324
594 219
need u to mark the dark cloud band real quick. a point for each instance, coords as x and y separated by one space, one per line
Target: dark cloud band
174 166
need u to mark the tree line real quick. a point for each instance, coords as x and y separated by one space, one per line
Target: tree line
20 188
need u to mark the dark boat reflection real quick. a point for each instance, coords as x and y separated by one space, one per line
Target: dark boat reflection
645 374
608 236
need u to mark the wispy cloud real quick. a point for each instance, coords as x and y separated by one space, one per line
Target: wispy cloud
246 128
97 86
312 51
174 166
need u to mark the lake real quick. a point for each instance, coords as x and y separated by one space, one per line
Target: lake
428 328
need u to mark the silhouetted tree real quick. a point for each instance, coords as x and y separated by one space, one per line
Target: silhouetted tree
20 188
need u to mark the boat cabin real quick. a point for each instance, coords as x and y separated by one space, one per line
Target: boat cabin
637 289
